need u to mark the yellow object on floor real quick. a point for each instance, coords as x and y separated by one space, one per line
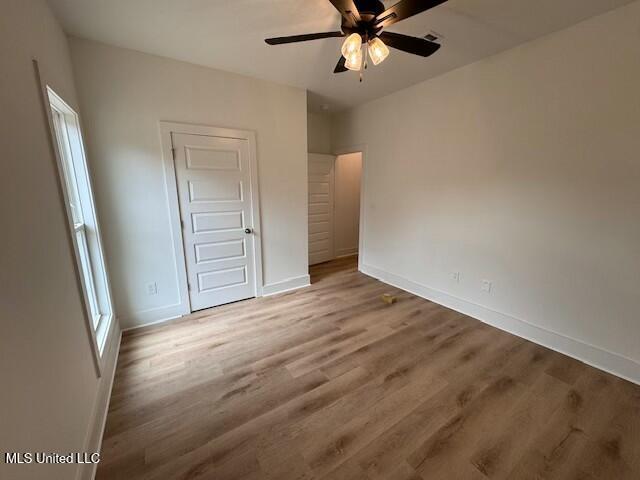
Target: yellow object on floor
388 298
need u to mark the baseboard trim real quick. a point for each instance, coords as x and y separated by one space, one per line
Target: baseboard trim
286 285
151 324
95 433
597 357
156 316
152 316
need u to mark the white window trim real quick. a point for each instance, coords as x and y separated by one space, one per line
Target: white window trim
90 294
98 327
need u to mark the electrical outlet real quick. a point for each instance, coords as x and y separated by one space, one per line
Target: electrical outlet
152 288
486 286
455 276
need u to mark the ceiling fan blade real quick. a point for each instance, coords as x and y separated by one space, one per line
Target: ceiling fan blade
348 10
405 9
302 38
340 66
417 46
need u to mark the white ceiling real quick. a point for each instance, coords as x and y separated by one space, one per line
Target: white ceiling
228 35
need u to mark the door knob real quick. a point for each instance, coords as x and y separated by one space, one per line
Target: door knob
248 231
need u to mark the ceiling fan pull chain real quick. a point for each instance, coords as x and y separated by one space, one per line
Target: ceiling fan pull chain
366 55
363 66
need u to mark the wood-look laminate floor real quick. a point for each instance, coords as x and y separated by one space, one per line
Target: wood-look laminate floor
328 382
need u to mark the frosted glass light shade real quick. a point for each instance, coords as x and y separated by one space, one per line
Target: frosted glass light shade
354 61
378 51
351 45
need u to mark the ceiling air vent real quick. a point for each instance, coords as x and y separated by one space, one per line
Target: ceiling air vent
433 36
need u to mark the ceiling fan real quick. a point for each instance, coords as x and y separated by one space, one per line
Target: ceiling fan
362 24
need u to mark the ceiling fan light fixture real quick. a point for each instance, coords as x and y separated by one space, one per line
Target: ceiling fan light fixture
354 61
378 51
365 39
352 45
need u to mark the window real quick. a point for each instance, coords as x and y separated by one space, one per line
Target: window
82 218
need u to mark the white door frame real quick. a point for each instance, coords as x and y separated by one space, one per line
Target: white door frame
362 149
173 203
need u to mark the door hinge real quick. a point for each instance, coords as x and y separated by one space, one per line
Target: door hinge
188 286
173 152
182 224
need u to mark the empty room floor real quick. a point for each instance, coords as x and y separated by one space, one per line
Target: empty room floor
329 382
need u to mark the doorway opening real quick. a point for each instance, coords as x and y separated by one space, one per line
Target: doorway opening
334 206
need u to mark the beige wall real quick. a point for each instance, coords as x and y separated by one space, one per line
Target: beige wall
124 94
49 383
319 133
347 203
522 169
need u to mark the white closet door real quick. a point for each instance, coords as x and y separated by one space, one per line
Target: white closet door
321 186
215 195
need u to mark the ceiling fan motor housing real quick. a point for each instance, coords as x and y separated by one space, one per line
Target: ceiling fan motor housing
369 10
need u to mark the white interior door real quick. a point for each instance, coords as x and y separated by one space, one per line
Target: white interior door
213 177
321 186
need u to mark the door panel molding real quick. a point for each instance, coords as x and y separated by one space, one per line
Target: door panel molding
320 207
167 129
